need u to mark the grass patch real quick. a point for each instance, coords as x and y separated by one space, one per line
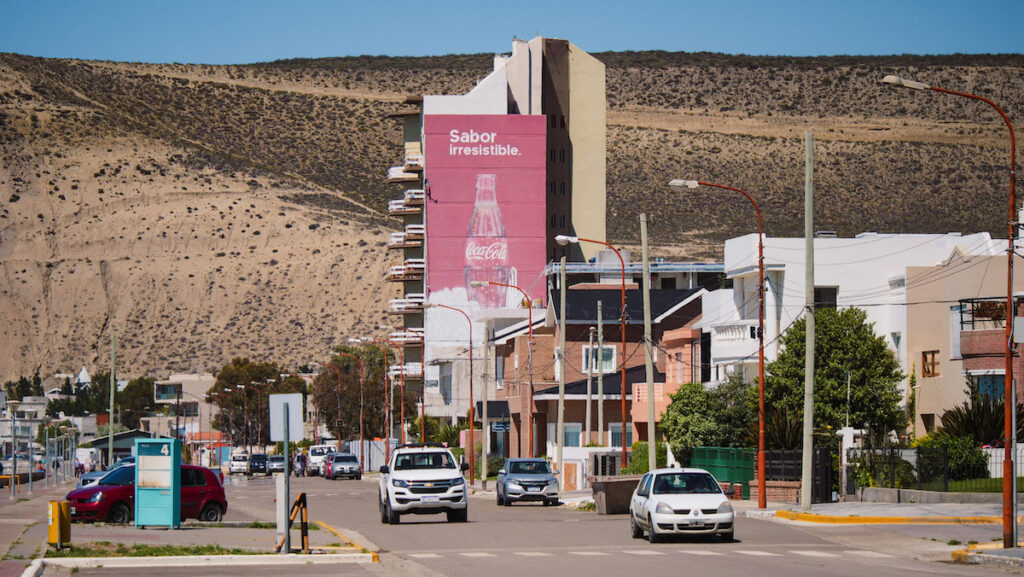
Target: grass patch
264 525
105 549
587 506
986 485
953 542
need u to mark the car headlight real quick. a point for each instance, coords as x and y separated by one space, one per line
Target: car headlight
96 498
553 482
458 481
515 486
400 483
725 507
664 509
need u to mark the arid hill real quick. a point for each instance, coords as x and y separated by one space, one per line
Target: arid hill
207 212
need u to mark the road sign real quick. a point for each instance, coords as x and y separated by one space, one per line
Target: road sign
499 427
295 411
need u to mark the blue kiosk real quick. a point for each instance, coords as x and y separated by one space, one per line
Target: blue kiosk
158 483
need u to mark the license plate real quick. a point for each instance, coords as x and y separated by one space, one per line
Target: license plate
697 524
73 511
429 499
533 489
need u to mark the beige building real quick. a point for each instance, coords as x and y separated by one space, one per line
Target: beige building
948 306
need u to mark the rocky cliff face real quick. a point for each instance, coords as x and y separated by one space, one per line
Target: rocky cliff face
202 213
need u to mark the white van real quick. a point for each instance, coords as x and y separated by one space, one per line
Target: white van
316 458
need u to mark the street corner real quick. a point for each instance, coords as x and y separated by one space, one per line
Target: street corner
989 554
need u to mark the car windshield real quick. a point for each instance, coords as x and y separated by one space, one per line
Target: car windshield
529 468
120 476
345 459
277 458
685 483
317 451
239 458
432 460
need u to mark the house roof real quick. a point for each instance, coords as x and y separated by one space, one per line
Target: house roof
612 385
581 305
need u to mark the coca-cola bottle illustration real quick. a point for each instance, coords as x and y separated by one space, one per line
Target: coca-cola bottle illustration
486 247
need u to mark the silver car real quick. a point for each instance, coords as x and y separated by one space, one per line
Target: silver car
527 480
275 464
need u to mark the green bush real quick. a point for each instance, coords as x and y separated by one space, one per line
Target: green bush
638 461
963 456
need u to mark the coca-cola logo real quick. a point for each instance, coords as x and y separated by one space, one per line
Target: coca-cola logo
497 251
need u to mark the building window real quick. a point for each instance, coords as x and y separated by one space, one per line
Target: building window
606 364
989 386
615 429
552 185
562 186
561 155
929 364
929 422
563 120
551 155
445 382
825 297
499 372
572 433
553 217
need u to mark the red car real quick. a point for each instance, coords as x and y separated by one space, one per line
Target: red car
112 499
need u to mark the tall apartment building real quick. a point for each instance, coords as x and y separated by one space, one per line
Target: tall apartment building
488 179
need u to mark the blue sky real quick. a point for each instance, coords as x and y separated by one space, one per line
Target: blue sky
240 31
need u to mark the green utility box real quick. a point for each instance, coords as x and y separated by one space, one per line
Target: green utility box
728 465
158 483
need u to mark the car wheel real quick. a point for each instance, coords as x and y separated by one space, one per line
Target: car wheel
652 536
383 511
119 514
458 515
359 477
635 529
501 502
211 513
550 502
728 537
393 517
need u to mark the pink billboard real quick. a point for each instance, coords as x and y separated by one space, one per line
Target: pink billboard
485 207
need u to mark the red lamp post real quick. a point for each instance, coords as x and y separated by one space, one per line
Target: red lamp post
472 406
529 410
762 497
564 240
1009 394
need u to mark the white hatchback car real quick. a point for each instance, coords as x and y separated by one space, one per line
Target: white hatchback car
680 502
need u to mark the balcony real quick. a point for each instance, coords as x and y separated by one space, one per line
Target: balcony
415 231
415 197
400 208
734 340
408 370
399 174
410 336
413 157
411 269
404 240
412 303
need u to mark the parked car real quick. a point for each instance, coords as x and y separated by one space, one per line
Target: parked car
239 464
422 479
526 480
342 465
258 464
275 464
680 502
316 458
92 477
112 499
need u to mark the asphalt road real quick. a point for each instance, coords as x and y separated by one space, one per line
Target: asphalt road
529 539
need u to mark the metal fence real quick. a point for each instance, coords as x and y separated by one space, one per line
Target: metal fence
927 469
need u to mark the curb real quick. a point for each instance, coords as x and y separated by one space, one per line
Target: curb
877 520
374 558
201 561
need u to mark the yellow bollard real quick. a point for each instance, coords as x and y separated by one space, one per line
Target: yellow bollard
59 533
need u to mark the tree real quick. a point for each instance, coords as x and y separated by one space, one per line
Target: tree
688 421
844 343
136 401
241 393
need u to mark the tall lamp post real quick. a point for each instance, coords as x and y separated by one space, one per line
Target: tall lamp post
1009 474
12 406
362 376
472 406
564 240
679 184
529 346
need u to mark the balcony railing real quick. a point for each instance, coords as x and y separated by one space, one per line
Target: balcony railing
413 162
411 270
415 197
410 336
640 392
737 339
415 231
412 303
410 370
399 174
399 207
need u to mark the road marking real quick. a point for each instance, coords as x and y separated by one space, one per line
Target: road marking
423 555
532 554
477 554
872 554
759 553
814 553
642 552
588 553
699 552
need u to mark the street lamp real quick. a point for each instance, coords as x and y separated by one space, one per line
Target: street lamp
564 240
679 184
472 406
529 347
362 375
1009 475
12 406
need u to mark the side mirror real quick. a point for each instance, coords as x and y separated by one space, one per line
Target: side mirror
730 492
464 467
384 469
501 471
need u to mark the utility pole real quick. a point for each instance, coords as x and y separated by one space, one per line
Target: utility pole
483 407
561 378
590 372
113 387
806 475
652 453
600 377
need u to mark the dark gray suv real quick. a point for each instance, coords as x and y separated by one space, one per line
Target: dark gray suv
527 480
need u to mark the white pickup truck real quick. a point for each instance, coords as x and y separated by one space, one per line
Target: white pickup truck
422 479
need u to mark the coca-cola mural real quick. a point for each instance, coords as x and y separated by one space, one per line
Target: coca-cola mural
485 210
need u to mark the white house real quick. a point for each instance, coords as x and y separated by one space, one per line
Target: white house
867 271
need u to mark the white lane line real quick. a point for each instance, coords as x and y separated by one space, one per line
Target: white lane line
477 554
814 553
759 554
871 554
588 553
423 555
533 554
699 552
642 552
